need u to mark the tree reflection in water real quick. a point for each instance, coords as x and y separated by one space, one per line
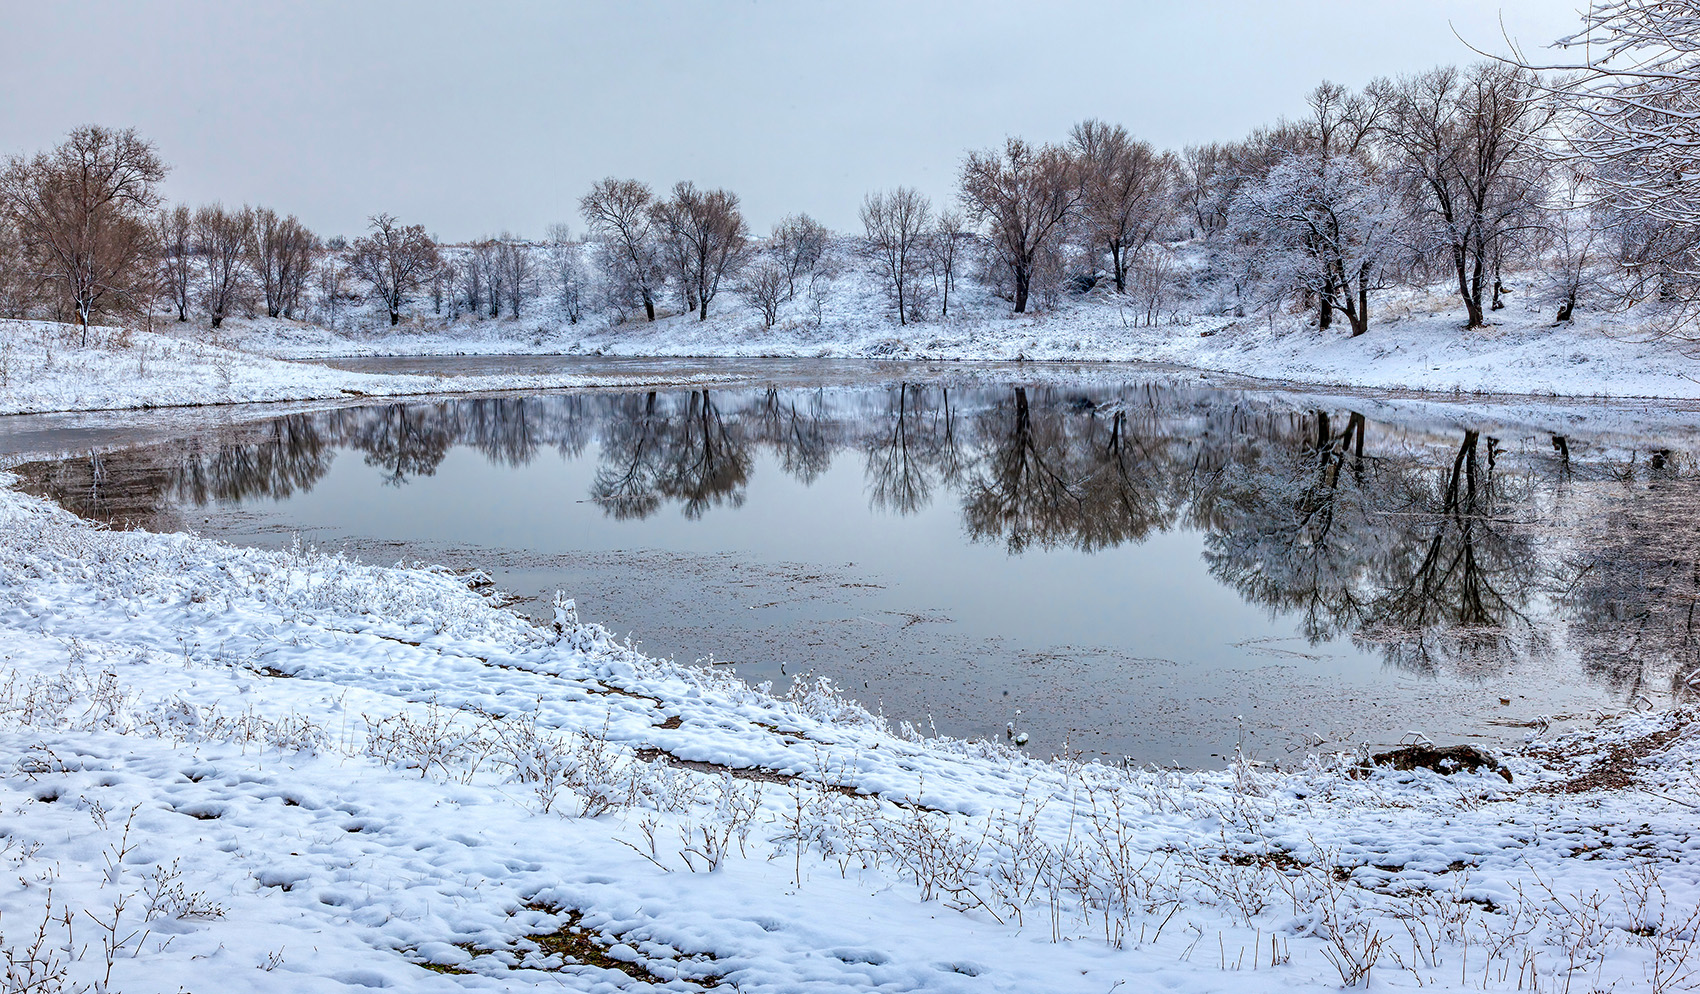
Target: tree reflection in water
1413 542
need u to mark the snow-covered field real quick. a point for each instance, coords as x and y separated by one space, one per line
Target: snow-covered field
227 769
44 367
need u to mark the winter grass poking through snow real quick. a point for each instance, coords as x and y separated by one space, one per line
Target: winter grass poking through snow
238 769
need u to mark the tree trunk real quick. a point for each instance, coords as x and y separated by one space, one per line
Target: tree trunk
395 318
1118 266
702 310
1023 280
217 320
1360 320
1472 306
1324 312
648 306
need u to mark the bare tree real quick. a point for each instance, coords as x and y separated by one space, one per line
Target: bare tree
705 231
280 252
221 242
568 272
469 284
14 289
174 232
1468 145
518 268
944 256
331 277
485 257
765 285
394 260
1128 191
81 213
797 242
897 225
618 212
1024 196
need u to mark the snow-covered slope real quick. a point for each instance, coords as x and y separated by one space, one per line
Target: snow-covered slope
1416 340
244 770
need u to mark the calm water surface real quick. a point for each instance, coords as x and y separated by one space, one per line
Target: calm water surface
1146 566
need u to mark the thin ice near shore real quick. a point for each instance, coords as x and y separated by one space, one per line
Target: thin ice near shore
233 769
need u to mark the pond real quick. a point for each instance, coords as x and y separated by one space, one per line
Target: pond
1127 563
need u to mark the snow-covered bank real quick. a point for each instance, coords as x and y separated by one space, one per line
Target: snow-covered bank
1416 342
283 771
44 368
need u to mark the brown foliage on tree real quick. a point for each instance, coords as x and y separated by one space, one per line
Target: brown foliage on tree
81 214
1128 191
280 251
1024 196
703 231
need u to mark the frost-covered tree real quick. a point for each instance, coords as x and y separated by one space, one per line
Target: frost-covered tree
1128 191
1024 196
1324 227
1468 146
797 242
897 224
1630 117
618 212
394 260
765 284
567 271
519 277
221 244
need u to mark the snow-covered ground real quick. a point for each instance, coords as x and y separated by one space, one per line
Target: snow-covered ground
1416 341
44 367
226 769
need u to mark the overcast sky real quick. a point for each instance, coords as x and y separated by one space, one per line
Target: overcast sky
477 117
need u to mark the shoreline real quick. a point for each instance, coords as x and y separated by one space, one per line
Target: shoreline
374 723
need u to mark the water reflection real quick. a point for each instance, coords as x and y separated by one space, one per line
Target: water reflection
1435 549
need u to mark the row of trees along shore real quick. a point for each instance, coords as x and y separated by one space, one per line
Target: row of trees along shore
1579 180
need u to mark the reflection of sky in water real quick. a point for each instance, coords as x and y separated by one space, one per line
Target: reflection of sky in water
1153 598
1224 528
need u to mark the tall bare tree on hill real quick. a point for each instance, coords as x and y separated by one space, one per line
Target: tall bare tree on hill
705 231
174 231
1128 191
897 226
280 252
798 242
395 260
1024 195
619 212
1469 146
221 242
